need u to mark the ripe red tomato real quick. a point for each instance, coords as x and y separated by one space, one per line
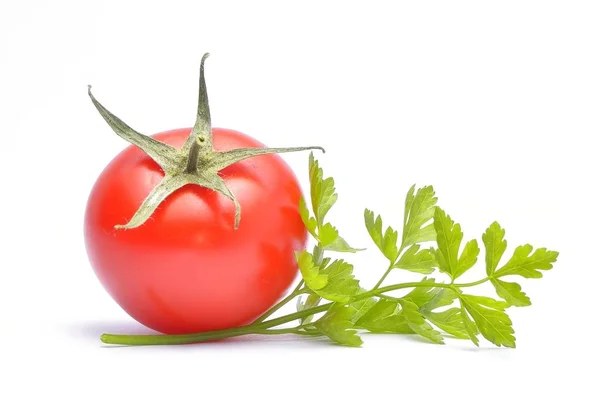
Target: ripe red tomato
187 269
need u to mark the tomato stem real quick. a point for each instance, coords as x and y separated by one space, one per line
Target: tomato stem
196 163
200 139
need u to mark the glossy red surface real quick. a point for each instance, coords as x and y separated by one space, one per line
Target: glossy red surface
187 269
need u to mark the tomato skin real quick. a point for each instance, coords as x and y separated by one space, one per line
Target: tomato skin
187 269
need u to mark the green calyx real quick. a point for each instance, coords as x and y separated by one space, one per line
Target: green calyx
195 163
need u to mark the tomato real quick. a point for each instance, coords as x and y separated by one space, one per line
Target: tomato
187 269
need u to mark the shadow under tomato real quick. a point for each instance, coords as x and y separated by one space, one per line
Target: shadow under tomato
91 330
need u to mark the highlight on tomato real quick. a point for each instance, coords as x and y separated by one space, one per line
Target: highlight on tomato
194 229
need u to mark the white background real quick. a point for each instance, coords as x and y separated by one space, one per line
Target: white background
496 104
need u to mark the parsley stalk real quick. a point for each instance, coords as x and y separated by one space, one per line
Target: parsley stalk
258 327
298 290
263 328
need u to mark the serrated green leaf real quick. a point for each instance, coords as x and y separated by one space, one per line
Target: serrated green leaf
495 246
449 236
416 260
359 308
309 222
439 297
310 272
469 325
341 246
322 191
381 316
337 325
395 323
416 321
467 259
491 320
421 295
528 265
450 321
341 286
327 235
511 292
324 261
380 310
386 242
418 211
330 239
312 300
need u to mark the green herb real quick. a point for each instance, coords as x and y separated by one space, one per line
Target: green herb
332 303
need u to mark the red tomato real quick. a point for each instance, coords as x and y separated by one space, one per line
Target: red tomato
187 269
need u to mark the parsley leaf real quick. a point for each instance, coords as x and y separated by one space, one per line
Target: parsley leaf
495 246
337 325
449 237
309 222
416 321
511 292
395 323
341 285
528 265
323 197
469 325
330 239
387 242
430 298
359 308
310 272
490 318
322 191
416 260
418 211
422 295
383 316
522 263
450 321
333 282
312 300
341 246
438 297
327 235
381 309
468 258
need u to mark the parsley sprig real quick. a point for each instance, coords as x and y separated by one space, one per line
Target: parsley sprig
331 302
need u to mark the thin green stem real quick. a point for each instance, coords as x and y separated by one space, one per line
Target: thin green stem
283 302
318 255
383 277
479 282
383 296
315 310
310 330
405 286
309 333
262 327
146 340
279 331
